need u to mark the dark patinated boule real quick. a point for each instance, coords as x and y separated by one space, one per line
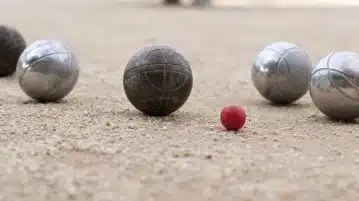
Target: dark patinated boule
11 46
172 2
157 80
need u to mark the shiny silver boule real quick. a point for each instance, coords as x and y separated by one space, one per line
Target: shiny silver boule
334 85
281 73
47 70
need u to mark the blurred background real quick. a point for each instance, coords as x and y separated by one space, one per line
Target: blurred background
256 3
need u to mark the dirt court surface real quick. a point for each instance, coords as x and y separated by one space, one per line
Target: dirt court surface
96 146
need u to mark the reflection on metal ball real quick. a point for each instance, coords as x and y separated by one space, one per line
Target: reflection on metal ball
281 73
157 80
47 70
334 85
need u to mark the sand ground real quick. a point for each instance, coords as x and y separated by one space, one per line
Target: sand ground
96 146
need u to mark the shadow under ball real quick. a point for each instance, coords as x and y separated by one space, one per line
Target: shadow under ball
334 85
12 44
157 80
281 73
47 70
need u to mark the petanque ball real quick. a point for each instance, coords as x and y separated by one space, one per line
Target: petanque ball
172 2
334 85
12 44
281 73
157 80
47 70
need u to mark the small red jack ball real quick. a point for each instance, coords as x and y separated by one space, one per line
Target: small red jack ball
233 117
